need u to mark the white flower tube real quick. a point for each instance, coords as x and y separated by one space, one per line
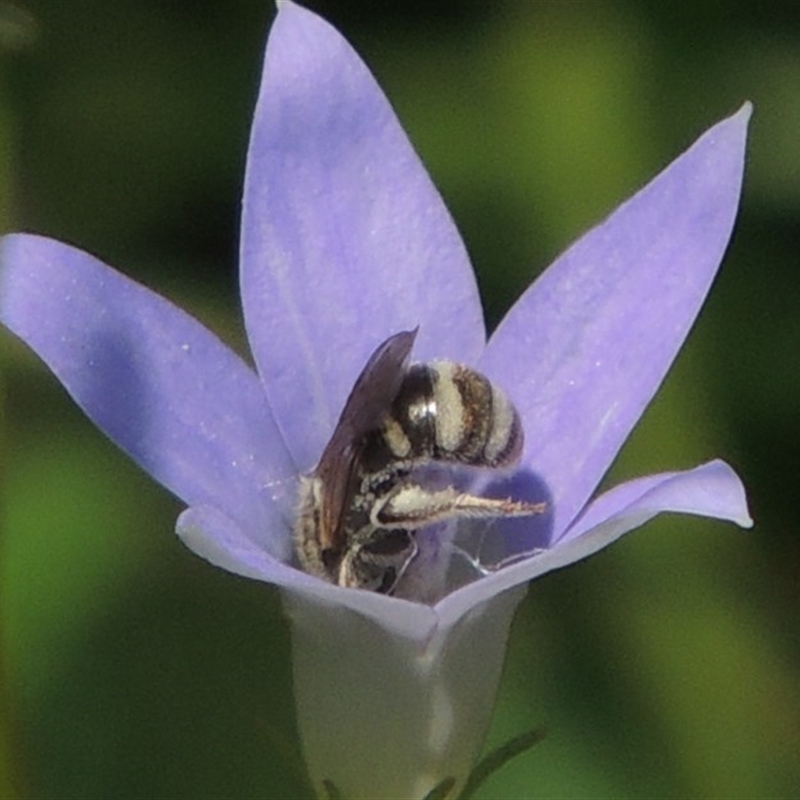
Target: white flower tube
383 716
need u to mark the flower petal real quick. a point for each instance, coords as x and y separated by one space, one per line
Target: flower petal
586 347
345 240
711 490
216 538
159 384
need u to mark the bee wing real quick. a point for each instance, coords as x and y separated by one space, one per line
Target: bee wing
369 400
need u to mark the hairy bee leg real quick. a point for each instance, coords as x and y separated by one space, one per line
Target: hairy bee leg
412 506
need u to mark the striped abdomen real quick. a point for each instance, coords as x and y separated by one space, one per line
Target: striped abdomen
448 412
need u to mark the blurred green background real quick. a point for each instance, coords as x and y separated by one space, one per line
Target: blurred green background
668 666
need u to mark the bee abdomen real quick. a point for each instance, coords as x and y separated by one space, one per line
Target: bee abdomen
448 412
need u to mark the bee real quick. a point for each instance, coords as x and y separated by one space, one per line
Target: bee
361 506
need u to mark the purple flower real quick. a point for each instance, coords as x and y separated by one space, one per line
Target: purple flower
345 242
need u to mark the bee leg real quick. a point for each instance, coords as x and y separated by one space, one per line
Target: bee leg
378 562
411 506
